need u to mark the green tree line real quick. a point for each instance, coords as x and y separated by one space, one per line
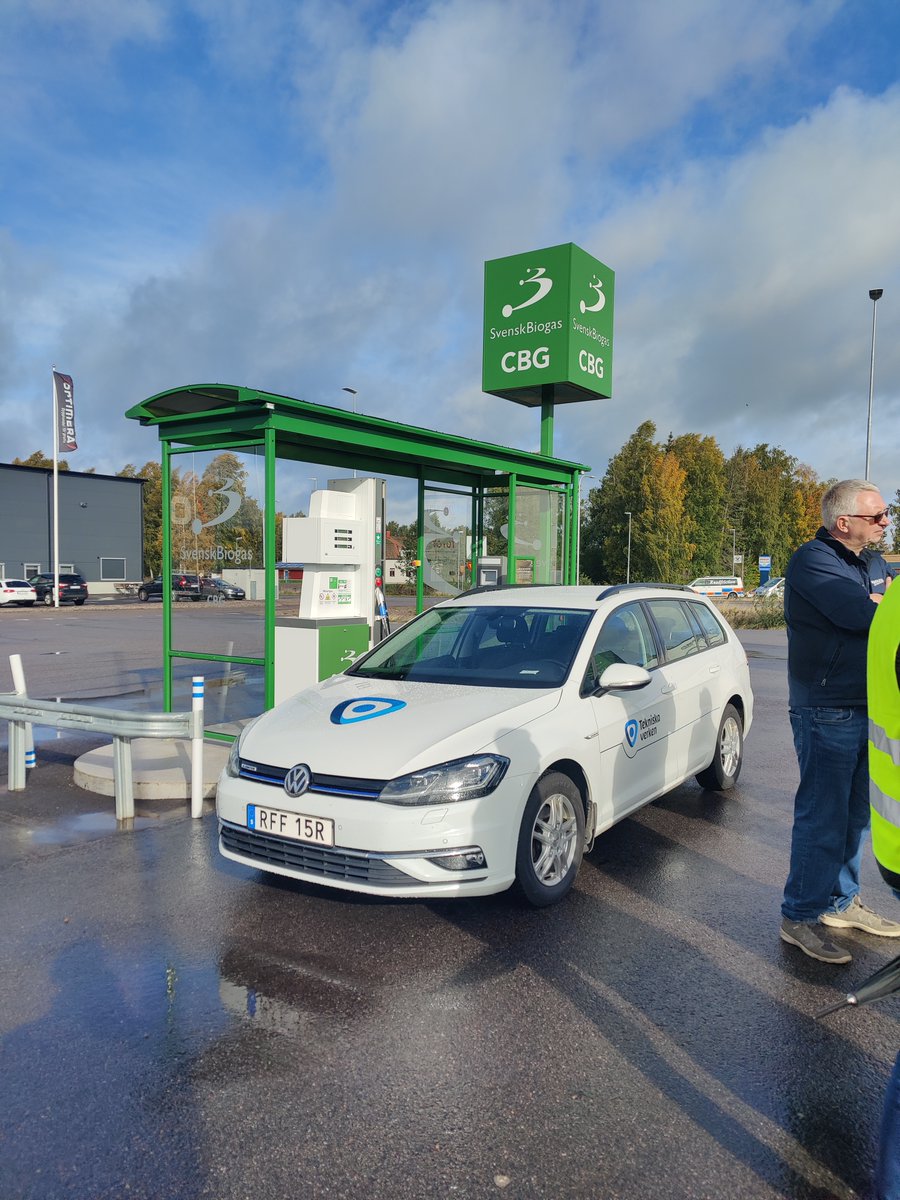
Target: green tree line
692 509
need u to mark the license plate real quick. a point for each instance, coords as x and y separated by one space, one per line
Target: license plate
300 828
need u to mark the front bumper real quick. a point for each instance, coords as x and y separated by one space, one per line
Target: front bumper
466 848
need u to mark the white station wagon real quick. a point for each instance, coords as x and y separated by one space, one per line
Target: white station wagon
488 742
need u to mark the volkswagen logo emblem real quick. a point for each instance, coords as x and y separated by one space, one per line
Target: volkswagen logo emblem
297 780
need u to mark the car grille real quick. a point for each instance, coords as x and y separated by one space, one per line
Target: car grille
352 866
330 785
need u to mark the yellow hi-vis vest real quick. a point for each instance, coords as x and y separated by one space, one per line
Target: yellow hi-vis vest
884 729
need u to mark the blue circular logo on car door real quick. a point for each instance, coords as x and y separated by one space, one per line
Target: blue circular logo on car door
353 711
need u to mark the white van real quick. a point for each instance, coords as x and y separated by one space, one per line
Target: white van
719 585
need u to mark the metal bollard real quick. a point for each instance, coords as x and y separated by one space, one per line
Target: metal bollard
18 677
197 747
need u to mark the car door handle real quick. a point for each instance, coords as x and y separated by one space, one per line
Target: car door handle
669 687
714 670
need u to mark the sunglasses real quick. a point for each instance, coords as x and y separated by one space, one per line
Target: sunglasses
873 517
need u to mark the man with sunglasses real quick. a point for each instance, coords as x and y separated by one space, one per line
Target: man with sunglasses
832 586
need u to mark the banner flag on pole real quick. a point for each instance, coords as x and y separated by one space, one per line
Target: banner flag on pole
65 411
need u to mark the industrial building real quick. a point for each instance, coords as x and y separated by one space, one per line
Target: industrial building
100 525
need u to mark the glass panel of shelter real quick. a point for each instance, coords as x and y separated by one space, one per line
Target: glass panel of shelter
447 543
216 519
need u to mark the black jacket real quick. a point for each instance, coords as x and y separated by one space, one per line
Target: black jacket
828 614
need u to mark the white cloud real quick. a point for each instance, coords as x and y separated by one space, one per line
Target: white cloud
398 147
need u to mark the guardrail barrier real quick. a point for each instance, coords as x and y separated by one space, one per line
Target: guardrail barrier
22 712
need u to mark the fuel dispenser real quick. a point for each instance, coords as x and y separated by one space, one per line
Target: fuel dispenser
341 548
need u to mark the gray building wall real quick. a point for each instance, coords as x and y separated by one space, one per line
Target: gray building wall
100 524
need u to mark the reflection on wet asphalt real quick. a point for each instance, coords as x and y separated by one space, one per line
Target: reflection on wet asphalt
177 1026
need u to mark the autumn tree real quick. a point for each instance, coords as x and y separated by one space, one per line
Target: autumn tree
39 459
604 529
705 490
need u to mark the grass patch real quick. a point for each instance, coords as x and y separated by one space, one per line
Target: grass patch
755 614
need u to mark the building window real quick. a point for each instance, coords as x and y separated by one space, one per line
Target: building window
29 570
68 568
113 569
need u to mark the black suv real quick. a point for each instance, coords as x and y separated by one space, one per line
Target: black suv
182 585
72 588
205 587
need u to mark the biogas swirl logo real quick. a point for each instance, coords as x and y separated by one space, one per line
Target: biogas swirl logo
542 284
599 302
182 513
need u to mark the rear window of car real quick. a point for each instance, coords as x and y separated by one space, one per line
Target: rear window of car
16 583
709 623
70 579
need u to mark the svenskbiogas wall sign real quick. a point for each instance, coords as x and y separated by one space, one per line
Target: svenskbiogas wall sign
548 319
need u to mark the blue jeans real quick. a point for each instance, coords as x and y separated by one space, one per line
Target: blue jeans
887 1176
831 810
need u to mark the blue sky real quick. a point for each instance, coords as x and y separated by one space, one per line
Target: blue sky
301 196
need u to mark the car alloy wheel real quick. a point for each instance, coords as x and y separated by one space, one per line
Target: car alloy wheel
722 772
551 840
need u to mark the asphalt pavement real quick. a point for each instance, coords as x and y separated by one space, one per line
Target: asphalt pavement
174 1025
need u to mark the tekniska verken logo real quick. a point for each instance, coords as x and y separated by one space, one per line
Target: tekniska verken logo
548 320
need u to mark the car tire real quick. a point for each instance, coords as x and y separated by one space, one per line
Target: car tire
26 604
143 595
551 840
723 771
48 599
78 603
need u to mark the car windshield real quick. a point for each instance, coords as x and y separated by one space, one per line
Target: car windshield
485 646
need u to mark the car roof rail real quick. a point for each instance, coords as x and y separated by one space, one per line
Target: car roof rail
629 587
502 587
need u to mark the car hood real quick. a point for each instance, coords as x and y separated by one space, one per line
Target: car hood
379 729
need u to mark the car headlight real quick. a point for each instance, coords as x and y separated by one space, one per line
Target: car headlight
446 783
233 765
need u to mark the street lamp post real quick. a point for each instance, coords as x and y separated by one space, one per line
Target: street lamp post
628 559
875 295
353 393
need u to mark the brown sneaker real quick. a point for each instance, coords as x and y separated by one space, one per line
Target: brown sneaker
857 916
806 937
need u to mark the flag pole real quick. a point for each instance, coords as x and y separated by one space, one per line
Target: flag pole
55 489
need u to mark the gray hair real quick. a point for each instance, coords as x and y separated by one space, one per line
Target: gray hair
840 499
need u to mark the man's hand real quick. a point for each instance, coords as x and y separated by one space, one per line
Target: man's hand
876 596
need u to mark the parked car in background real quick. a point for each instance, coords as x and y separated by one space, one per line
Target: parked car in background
17 591
72 588
731 586
182 585
774 587
221 589
489 741
194 587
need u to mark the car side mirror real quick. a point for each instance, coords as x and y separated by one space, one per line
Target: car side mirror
623 677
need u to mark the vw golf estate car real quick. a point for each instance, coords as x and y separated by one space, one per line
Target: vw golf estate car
489 741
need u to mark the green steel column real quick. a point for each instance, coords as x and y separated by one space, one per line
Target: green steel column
547 419
511 533
269 565
166 576
473 551
420 546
